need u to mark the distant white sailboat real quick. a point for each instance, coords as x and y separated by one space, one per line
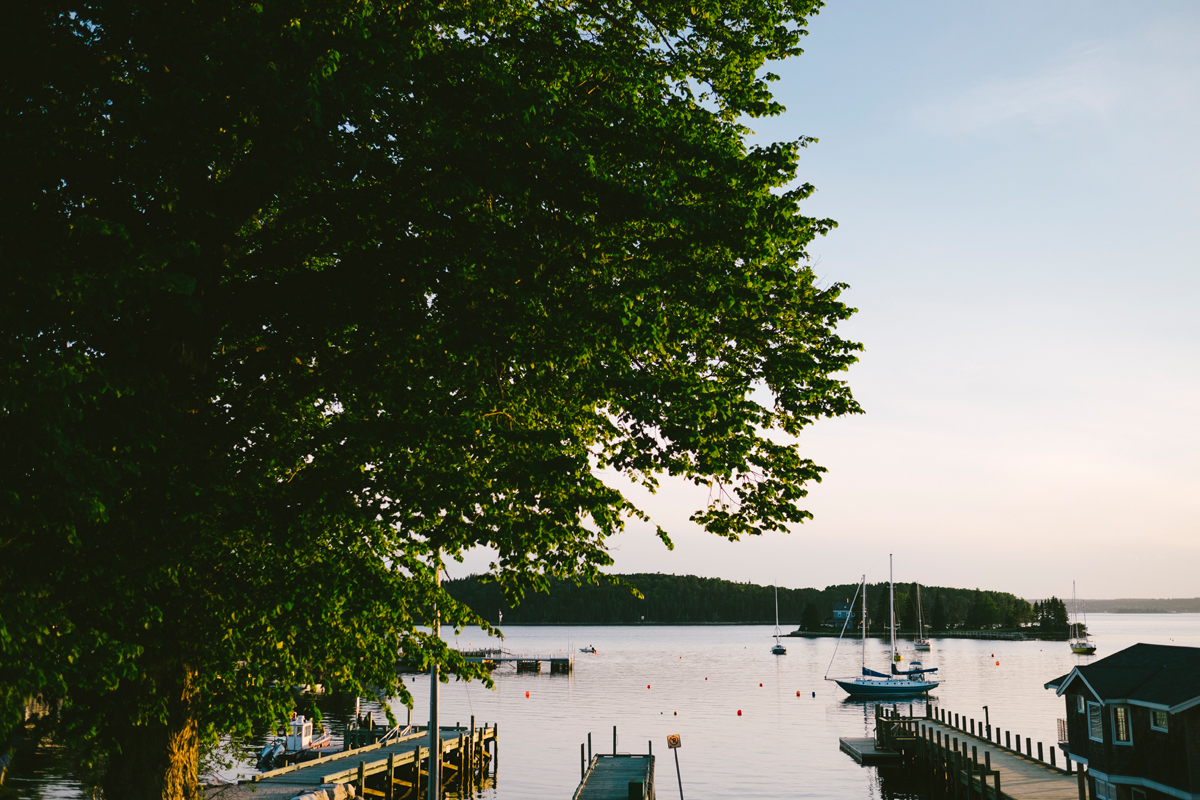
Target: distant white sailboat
778 648
922 643
1080 644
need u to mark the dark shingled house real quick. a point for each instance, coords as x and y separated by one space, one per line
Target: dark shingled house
1134 719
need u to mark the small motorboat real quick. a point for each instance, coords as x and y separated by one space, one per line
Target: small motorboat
588 649
298 745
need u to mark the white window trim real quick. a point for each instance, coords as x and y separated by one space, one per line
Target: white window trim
1154 727
1128 724
1089 721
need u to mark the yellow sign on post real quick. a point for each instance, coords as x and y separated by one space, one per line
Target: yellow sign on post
674 742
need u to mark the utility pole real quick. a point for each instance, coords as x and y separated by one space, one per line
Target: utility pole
435 683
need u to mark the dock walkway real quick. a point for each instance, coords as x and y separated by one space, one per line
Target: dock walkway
1021 777
467 754
617 777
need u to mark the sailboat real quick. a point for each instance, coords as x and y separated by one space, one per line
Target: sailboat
1079 644
922 643
778 648
871 683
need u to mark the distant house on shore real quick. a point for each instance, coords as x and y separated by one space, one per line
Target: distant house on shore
841 612
1134 719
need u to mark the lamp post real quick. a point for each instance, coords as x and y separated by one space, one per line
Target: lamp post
987 723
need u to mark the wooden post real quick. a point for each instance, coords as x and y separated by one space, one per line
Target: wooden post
1041 756
1052 749
1068 758
589 747
362 777
614 740
389 791
1082 784
1008 740
972 726
996 781
1029 746
417 772
582 762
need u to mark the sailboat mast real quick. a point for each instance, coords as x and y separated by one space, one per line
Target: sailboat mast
920 617
892 604
864 623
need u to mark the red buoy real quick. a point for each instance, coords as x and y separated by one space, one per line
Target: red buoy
739 712
760 684
647 686
797 693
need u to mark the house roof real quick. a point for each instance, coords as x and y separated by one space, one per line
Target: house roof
1155 675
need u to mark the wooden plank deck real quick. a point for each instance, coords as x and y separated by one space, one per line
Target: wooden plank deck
343 767
865 752
1021 777
608 777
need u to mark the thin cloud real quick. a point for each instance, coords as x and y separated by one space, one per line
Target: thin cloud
1087 84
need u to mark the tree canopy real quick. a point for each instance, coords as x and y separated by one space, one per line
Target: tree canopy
299 296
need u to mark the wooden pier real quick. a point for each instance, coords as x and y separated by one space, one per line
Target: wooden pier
399 767
617 777
958 764
525 663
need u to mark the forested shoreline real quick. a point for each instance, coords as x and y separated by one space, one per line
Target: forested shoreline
689 599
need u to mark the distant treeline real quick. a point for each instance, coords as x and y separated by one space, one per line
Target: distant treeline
1142 606
682 599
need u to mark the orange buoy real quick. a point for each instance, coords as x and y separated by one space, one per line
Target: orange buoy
997 663
527 694
739 712
797 693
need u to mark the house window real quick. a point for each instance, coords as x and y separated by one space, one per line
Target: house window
1158 720
1079 703
1139 794
1121 732
1095 722
1104 790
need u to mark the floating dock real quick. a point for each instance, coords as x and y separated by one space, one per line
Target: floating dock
867 753
394 768
524 662
617 777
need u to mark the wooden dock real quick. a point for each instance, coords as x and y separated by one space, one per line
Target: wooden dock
867 753
964 765
617 777
399 767
525 662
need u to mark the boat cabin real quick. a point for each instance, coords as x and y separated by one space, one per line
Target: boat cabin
300 737
1134 719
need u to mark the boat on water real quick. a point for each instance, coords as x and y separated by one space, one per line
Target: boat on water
901 683
588 649
1079 642
778 648
921 643
299 745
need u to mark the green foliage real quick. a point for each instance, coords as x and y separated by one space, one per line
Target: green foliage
298 296
1051 615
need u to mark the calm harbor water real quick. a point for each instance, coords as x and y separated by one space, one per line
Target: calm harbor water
692 680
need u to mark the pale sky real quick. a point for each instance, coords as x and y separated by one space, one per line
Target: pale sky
1018 192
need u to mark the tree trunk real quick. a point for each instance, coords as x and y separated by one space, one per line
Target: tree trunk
158 760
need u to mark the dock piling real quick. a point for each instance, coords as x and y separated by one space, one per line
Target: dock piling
614 740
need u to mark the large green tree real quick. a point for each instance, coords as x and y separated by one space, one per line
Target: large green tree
298 295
